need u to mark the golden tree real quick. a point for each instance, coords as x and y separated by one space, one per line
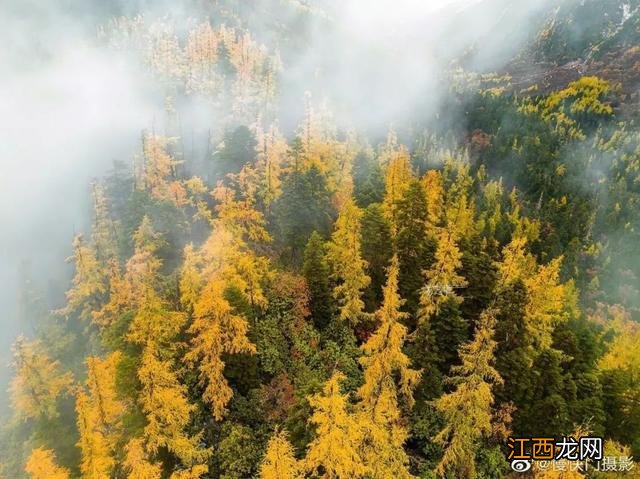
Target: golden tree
549 302
467 410
344 255
97 461
442 278
279 461
42 465
387 378
167 409
397 180
37 383
89 282
137 464
335 449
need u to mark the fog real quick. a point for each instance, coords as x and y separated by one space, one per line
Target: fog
69 106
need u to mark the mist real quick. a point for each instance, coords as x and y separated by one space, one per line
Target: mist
70 105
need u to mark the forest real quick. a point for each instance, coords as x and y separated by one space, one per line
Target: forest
288 296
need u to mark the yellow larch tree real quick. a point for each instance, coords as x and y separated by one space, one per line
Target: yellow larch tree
271 163
387 379
459 204
225 260
442 278
42 465
168 412
348 267
320 148
137 464
103 396
434 190
38 382
335 451
549 302
217 330
157 171
194 472
467 410
279 461
104 232
153 322
90 282
398 176
97 461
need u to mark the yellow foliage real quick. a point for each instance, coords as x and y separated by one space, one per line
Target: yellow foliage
89 282
467 410
164 401
385 363
37 383
279 461
194 472
335 449
42 465
217 330
433 186
344 254
398 176
97 461
137 464
442 278
103 397
548 301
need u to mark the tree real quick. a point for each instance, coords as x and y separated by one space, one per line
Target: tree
398 176
137 464
97 462
89 283
334 452
238 149
442 278
316 273
414 241
42 465
387 377
344 256
377 250
38 383
467 410
305 206
104 234
164 401
279 461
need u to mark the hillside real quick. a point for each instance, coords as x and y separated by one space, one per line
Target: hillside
345 243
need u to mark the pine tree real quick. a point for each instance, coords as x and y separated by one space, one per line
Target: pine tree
413 241
42 465
279 461
377 250
467 410
344 256
334 452
387 376
38 383
316 273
